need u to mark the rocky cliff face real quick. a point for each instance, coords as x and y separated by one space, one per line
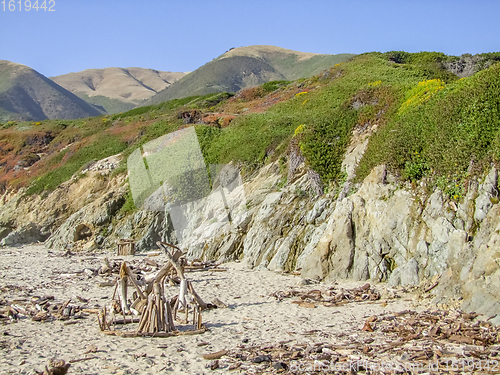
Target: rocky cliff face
84 212
382 232
378 230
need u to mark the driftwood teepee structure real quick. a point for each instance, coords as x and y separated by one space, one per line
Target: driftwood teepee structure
157 312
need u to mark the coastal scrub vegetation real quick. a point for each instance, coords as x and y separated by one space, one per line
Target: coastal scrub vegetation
429 119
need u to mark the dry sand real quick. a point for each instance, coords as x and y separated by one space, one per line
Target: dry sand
253 317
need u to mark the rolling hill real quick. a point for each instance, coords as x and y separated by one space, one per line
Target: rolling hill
117 89
244 67
27 95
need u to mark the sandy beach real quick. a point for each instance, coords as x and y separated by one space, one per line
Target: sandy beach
254 320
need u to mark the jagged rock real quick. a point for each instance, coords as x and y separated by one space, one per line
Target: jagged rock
466 209
488 193
4 231
124 228
317 210
311 244
442 229
481 285
27 234
228 250
334 254
279 260
434 207
242 220
159 229
83 224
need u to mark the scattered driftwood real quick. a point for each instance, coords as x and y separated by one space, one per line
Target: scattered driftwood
44 309
329 297
216 355
455 326
451 342
428 289
156 334
82 359
199 266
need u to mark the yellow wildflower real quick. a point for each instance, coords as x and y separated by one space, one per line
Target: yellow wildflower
421 93
299 130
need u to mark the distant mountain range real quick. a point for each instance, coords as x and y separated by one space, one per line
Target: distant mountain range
117 89
244 67
27 95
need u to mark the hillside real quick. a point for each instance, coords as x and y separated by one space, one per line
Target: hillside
245 67
392 91
382 168
291 64
28 95
117 89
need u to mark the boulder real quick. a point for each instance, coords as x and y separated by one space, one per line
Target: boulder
27 234
84 223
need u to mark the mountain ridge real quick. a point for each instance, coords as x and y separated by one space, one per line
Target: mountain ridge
117 89
251 66
26 94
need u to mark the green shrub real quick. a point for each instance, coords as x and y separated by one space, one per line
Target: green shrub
102 147
129 206
452 186
416 168
274 85
324 145
208 137
460 123
210 100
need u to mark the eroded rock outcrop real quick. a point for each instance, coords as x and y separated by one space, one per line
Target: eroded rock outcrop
28 233
86 222
383 232
377 230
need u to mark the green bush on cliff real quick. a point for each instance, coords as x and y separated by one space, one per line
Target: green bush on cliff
273 85
329 114
69 162
456 128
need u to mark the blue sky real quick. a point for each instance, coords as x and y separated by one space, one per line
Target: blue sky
183 35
